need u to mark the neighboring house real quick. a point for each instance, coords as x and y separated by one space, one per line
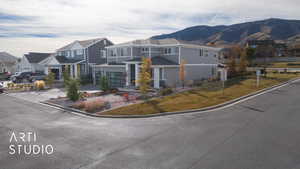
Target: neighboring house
124 61
7 63
294 50
256 43
279 47
76 58
31 62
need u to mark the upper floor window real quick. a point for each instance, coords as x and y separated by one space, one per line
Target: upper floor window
145 49
103 53
167 50
68 53
201 52
79 52
206 53
121 52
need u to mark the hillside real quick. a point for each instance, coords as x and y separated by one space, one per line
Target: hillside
277 29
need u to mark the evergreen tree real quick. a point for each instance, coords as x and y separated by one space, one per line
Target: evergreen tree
73 90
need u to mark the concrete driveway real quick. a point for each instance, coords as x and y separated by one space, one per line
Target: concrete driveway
261 133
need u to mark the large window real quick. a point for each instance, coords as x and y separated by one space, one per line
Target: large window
68 53
79 52
168 50
103 53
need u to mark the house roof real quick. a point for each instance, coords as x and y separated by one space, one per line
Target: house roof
156 61
168 41
83 43
34 57
165 42
65 60
7 58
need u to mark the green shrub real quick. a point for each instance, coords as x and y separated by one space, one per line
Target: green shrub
104 84
72 92
166 91
67 78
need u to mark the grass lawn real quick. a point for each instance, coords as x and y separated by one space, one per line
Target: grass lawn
285 65
208 94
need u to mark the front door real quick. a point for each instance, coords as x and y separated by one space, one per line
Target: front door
56 73
132 75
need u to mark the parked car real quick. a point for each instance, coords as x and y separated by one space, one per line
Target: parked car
1 88
5 76
27 77
37 76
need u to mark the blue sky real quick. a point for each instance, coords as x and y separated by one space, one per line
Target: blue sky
46 25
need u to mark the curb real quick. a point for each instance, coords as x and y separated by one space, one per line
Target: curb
176 112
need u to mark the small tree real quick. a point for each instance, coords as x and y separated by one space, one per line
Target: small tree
234 53
104 84
145 76
66 77
182 72
250 54
72 90
50 79
243 62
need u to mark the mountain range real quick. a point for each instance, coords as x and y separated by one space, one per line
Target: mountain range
276 29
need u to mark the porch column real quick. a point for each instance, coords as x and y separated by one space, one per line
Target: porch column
127 75
75 70
71 71
137 72
156 78
60 72
94 74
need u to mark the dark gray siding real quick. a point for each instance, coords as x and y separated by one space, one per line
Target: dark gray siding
94 54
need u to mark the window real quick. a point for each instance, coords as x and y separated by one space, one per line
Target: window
201 52
206 53
79 52
122 52
68 53
103 53
168 51
145 49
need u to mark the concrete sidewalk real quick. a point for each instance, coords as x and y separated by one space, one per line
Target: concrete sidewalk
39 96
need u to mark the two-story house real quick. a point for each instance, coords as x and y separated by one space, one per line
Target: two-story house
77 57
124 61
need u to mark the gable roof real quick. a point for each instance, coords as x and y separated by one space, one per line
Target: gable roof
65 60
7 58
83 43
156 61
34 57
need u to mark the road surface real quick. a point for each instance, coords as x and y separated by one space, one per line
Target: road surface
260 133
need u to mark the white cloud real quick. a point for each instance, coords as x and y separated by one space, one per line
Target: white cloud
122 20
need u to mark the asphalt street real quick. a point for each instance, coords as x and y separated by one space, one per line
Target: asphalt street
260 133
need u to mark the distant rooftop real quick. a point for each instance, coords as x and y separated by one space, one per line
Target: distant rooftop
83 43
8 58
34 57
